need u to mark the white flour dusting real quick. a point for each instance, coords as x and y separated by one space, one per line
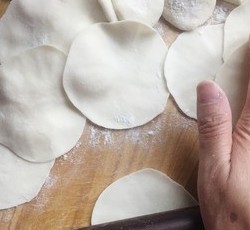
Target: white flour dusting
145 136
42 200
188 14
107 138
71 155
7 216
181 11
125 119
222 10
183 7
50 181
99 137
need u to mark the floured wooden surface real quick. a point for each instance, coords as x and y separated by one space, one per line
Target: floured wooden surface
168 143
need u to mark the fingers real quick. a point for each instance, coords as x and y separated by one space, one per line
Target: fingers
214 124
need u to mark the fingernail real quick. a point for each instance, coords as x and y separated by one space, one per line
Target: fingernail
208 92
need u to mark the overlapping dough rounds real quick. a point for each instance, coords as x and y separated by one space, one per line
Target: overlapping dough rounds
235 2
108 10
233 77
37 121
187 14
237 29
147 11
194 56
20 180
30 23
114 74
141 193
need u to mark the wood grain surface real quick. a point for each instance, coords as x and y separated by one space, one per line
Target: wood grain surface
168 143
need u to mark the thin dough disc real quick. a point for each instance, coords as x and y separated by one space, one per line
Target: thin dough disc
114 74
233 77
193 57
187 14
108 9
37 121
147 11
235 2
30 23
20 181
237 29
144 192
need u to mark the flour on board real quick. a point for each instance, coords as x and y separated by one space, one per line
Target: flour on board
221 11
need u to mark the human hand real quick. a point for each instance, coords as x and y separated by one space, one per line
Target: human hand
224 169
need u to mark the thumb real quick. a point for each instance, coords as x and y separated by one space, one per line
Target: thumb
214 125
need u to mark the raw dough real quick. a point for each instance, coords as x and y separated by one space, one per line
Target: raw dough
235 2
188 14
20 181
108 9
37 121
221 12
237 29
193 57
147 11
114 74
233 77
144 192
30 23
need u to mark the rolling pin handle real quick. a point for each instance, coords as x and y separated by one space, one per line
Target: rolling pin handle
182 219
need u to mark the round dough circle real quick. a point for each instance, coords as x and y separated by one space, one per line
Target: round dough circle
235 2
114 74
20 181
141 193
37 121
31 23
233 77
188 14
237 29
194 56
147 11
108 10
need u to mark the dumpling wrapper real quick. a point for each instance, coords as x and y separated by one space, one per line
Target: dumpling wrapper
193 57
237 29
114 74
147 11
141 193
186 14
30 23
235 2
108 10
20 180
37 121
233 77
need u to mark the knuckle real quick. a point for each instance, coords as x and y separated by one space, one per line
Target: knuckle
213 126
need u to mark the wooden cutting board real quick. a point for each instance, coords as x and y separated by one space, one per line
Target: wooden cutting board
168 143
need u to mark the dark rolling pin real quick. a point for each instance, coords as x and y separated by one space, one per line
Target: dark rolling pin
182 219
